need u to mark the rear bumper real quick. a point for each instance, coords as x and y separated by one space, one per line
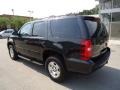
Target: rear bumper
86 67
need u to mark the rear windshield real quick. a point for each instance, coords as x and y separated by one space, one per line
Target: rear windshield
66 28
92 26
96 28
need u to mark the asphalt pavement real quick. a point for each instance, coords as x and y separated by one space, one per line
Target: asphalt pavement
27 75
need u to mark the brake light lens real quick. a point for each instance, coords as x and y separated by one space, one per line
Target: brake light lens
86 50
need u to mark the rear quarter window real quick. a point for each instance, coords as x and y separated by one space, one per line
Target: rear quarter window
66 28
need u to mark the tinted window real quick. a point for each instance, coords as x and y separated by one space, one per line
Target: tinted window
40 29
26 30
92 26
8 31
98 29
68 28
102 31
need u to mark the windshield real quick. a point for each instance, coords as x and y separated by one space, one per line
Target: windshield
92 26
102 31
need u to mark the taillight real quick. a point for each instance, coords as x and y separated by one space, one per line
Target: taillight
85 50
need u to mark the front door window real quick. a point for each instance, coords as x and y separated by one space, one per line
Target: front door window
26 30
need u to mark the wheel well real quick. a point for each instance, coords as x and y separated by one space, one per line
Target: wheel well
48 53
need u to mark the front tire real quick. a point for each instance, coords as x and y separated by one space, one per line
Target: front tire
13 54
55 68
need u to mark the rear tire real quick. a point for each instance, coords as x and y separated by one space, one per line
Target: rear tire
13 54
55 68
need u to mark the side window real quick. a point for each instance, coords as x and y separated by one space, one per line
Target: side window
26 30
66 28
8 32
5 32
40 29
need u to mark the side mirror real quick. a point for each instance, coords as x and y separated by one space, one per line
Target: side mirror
15 33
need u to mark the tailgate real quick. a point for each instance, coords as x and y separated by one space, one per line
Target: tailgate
98 34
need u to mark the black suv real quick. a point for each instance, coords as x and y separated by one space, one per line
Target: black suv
63 43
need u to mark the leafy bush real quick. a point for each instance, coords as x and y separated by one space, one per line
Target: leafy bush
17 22
13 22
4 22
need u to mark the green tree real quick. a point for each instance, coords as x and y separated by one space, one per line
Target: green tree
90 12
17 22
14 22
93 11
4 22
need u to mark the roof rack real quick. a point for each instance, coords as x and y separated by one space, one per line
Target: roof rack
53 16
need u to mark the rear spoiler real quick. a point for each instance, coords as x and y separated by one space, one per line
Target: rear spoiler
92 18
